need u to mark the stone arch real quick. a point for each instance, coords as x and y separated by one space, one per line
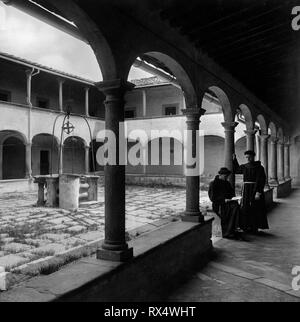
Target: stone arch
214 147
262 123
272 129
178 72
296 159
12 147
74 155
90 31
4 134
280 135
43 153
13 158
246 112
224 101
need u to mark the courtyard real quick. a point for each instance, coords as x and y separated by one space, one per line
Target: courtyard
30 236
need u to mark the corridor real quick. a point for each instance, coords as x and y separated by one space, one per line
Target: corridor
258 270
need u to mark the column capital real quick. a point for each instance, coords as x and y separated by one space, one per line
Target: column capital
280 143
265 136
60 80
193 113
114 87
250 132
29 72
230 126
274 140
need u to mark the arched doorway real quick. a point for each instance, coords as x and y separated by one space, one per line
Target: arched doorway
74 155
41 154
13 162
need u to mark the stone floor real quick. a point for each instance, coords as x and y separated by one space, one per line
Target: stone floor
29 233
258 270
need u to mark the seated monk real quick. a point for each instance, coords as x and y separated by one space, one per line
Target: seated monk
221 194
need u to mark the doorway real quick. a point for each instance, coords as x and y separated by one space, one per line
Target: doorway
44 162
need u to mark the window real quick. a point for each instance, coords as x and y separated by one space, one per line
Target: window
130 113
42 102
5 96
170 110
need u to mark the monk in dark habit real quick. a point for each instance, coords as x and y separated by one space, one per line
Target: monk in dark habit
253 206
221 194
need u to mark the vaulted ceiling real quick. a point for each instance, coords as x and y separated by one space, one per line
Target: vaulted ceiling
252 39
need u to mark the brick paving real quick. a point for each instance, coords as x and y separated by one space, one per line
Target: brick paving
28 233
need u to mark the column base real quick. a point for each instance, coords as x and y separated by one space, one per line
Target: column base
115 256
273 183
195 217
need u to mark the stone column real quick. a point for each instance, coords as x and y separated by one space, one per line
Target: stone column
273 171
281 162
1 162
264 138
61 94
287 170
144 103
229 147
87 101
28 161
115 247
87 160
258 147
192 212
61 159
250 134
29 73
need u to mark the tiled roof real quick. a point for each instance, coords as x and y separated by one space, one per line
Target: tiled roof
43 67
143 82
150 81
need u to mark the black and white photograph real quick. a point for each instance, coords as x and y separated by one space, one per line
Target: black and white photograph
149 154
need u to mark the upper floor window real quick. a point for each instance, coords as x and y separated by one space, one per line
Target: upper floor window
130 113
42 102
5 96
170 110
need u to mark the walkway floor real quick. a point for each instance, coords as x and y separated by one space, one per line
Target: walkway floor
258 270
29 233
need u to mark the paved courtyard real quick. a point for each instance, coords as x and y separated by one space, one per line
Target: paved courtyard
29 233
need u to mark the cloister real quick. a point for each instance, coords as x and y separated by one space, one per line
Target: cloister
120 36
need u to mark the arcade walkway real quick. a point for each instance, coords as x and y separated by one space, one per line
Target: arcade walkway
258 270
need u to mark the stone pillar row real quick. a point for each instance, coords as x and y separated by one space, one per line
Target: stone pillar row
192 212
115 247
230 147
264 139
250 135
273 171
287 170
281 162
